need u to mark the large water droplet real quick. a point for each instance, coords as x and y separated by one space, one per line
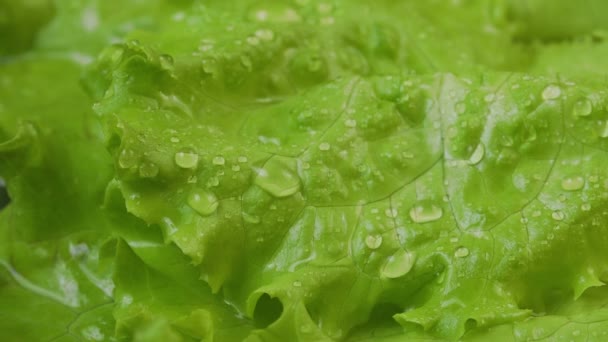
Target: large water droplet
573 183
398 264
425 212
148 170
127 158
477 155
204 202
278 177
373 241
187 159
582 107
551 92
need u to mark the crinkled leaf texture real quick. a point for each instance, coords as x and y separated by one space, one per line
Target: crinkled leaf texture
279 171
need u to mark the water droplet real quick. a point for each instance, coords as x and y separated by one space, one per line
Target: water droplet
174 140
265 34
398 264
297 284
116 54
253 41
558 215
489 98
278 177
219 160
78 250
460 108
551 92
187 159
242 159
573 183
373 241
392 213
324 8
236 168
213 182
352 123
585 207
127 158
166 61
478 154
324 146
306 328
246 62
148 170
204 202
425 212
582 107
251 218
604 130
461 252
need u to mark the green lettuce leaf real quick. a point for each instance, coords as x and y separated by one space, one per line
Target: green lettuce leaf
295 170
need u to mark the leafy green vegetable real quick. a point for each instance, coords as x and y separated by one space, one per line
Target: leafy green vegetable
303 171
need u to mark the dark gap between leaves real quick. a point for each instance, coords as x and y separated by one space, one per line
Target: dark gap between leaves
4 199
267 311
